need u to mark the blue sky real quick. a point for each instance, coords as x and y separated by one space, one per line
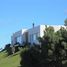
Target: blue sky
17 14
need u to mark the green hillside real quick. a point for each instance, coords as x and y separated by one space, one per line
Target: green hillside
10 61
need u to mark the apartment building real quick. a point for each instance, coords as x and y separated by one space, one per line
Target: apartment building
31 35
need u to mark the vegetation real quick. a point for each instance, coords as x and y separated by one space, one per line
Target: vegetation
8 49
9 61
52 51
11 49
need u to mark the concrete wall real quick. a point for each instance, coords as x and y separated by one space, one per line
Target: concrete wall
32 34
18 34
56 28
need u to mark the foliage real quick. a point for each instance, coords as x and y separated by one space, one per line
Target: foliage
29 57
52 51
8 49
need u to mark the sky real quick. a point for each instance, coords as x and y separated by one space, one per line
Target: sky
18 14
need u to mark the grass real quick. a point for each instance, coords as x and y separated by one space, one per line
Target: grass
9 61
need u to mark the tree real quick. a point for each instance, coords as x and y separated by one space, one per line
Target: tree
8 49
60 51
37 56
51 52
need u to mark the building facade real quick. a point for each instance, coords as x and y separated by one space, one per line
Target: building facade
31 35
18 37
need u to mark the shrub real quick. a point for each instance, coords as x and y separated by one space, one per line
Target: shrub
8 49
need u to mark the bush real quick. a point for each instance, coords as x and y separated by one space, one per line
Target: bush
8 49
31 57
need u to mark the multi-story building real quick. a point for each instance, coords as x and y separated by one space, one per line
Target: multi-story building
31 35
19 36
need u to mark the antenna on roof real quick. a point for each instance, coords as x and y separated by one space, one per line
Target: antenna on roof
33 24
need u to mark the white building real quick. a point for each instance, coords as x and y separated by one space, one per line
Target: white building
31 35
19 36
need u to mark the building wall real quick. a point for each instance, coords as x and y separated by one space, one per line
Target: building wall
31 35
56 28
18 37
42 29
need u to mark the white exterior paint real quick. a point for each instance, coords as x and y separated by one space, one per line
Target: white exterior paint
32 34
20 34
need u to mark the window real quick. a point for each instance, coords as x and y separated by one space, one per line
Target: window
19 39
31 37
34 37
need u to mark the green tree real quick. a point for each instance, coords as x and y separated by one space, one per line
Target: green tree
8 49
51 52
60 51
